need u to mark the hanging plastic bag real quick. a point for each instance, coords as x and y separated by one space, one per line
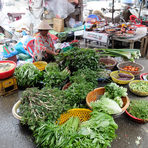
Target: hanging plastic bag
60 8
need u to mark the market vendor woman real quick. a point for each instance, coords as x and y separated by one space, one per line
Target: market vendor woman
44 48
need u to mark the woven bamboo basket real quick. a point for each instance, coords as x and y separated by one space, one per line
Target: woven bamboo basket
40 65
135 73
82 113
114 75
110 63
93 95
136 92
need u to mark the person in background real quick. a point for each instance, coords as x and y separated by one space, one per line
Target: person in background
44 48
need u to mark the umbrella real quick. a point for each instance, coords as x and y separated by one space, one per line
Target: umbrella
113 11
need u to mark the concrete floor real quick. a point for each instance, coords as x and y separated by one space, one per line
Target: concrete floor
14 135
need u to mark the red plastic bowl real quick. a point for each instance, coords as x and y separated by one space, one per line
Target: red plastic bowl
134 118
141 76
9 73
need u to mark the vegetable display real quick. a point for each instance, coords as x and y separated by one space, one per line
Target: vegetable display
53 77
78 58
99 131
106 105
131 68
27 75
130 54
139 109
141 86
40 105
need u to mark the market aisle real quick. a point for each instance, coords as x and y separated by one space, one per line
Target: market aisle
13 135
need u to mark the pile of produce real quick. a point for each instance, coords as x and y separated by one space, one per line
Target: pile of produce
139 109
111 101
141 86
27 75
54 77
40 105
131 68
124 76
98 131
130 54
78 58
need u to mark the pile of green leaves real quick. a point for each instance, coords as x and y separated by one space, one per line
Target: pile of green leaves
54 135
27 75
86 74
53 77
139 109
40 105
97 132
77 92
78 58
115 92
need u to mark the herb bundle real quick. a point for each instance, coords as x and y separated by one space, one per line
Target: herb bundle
40 105
139 109
53 77
78 58
27 75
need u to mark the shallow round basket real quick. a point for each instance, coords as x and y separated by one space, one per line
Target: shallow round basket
15 110
93 95
141 76
9 73
66 86
135 73
82 113
40 65
115 75
108 61
138 93
136 119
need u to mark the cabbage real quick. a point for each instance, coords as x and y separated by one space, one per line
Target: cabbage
106 105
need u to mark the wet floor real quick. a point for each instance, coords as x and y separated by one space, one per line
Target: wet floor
14 135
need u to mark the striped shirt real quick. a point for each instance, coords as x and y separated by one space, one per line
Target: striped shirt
41 44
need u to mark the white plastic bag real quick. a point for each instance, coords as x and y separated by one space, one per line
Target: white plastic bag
61 8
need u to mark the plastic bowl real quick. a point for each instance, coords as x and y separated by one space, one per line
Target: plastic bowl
7 74
141 76
135 73
135 119
114 75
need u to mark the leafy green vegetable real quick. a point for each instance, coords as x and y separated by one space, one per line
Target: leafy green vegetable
130 54
106 105
139 109
40 105
141 86
97 132
77 58
55 136
115 92
53 77
27 75
76 93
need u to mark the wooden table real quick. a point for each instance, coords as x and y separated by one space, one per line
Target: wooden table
128 40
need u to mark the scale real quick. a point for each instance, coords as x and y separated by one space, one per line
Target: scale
8 86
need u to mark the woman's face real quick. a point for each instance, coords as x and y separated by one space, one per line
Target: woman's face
44 32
